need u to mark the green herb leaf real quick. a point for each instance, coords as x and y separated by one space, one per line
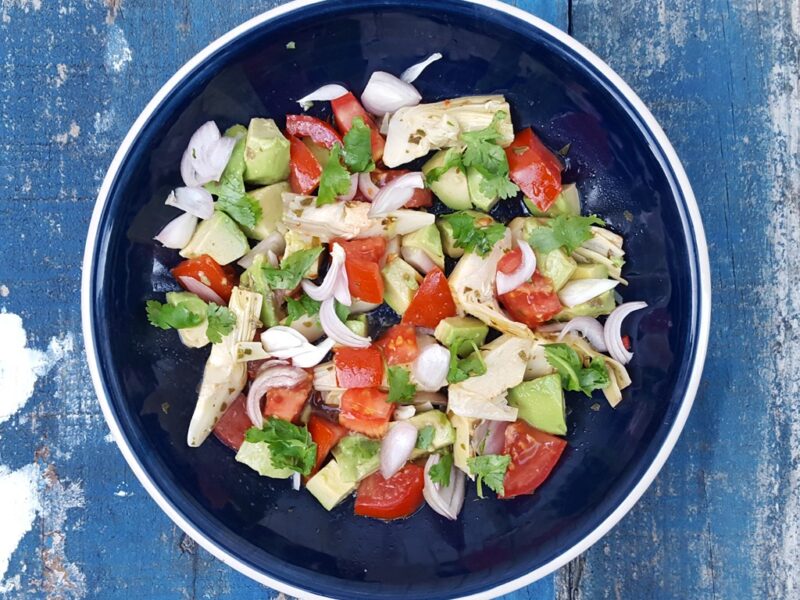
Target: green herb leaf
464 368
292 269
564 231
401 390
489 469
440 472
290 446
304 305
425 437
232 198
335 180
594 377
574 376
470 236
500 186
358 147
483 153
452 160
291 45
221 322
168 316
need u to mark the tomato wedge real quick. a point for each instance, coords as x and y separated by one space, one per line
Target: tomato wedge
364 280
366 411
432 302
209 272
326 434
534 169
287 403
533 302
345 109
510 261
358 367
533 455
371 249
318 130
399 344
394 498
233 424
421 198
304 169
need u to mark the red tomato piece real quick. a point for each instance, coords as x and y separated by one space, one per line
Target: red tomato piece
394 498
209 272
371 249
432 302
533 302
326 434
366 411
534 169
533 455
233 424
626 342
421 198
287 403
345 109
510 261
364 280
307 126
399 344
304 169
358 367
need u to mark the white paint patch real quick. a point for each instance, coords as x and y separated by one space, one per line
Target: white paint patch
109 437
123 493
71 134
4 291
118 53
24 5
19 505
104 121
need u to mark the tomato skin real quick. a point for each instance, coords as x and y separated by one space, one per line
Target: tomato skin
358 367
394 498
287 403
304 169
421 198
532 303
345 109
366 411
370 249
233 424
318 130
364 280
534 169
326 434
533 455
206 270
399 344
432 302
510 261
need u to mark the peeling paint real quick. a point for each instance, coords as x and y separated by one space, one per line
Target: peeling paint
23 5
118 53
71 134
19 505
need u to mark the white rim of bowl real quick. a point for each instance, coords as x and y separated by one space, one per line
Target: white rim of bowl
633 496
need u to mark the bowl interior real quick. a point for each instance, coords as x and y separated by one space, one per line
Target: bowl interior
151 380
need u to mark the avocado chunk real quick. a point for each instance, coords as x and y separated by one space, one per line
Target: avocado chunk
451 187
568 202
469 329
556 265
296 241
590 271
448 240
358 456
308 325
601 305
191 337
269 198
328 487
321 153
358 325
479 199
257 456
220 238
253 279
462 448
401 281
427 240
266 153
443 432
541 403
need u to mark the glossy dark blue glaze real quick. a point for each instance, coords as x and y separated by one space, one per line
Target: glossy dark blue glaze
622 176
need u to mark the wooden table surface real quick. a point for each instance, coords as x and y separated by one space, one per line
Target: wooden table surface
723 518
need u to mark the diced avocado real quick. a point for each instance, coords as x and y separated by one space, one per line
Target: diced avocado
257 457
253 279
328 487
556 265
443 432
269 198
541 403
309 326
191 337
266 153
358 325
451 187
462 449
601 305
296 241
220 238
461 328
401 281
479 199
590 271
358 456
428 240
321 153
568 202
448 241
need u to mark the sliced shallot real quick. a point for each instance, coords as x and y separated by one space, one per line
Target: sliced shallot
402 413
296 481
411 73
177 233
396 447
386 93
447 501
582 290
367 187
351 192
332 91
283 342
312 355
273 376
431 366
196 201
418 258
201 289
396 193
274 243
434 398
612 332
508 282
589 328
206 155
328 286
338 331
489 437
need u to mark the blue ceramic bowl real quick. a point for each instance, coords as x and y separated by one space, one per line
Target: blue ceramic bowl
627 172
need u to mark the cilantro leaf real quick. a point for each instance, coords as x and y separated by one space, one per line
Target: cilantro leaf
574 376
440 472
425 437
483 153
495 186
292 269
221 322
290 446
169 316
464 368
232 198
358 147
304 305
564 231
335 180
471 235
452 160
489 469
401 390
